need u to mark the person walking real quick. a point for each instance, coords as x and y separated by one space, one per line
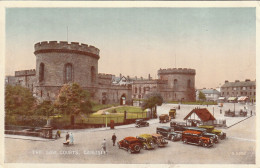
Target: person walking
71 138
67 136
103 146
114 139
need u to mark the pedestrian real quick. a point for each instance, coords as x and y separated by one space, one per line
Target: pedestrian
114 139
67 136
71 138
103 146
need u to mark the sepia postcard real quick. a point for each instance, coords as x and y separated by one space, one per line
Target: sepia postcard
129 84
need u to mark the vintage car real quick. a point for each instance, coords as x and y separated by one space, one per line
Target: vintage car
131 144
196 138
172 113
147 141
168 133
178 126
204 133
159 140
141 123
230 113
164 118
211 129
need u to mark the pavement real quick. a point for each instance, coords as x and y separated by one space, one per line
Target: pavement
238 148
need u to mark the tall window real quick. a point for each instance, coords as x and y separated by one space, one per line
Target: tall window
135 89
140 90
41 72
188 83
175 83
68 72
93 74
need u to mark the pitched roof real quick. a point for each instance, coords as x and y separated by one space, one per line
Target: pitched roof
210 91
203 114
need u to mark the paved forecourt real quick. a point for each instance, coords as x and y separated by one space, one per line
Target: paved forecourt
238 148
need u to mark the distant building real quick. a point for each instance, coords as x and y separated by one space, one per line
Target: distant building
210 94
239 90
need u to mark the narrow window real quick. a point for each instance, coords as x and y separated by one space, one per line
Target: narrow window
93 76
41 72
188 83
175 83
68 73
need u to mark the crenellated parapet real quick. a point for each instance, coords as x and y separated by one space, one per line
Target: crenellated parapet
177 71
105 76
30 72
65 47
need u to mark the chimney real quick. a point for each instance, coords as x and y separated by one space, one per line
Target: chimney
135 77
236 80
247 80
128 78
141 78
120 75
226 81
149 77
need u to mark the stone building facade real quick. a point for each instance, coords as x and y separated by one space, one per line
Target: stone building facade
176 84
58 63
239 88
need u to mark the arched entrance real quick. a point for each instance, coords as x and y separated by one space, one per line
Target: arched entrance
123 99
104 98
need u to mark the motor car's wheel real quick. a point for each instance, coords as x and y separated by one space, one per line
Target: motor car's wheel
118 145
137 148
138 126
200 143
157 132
129 151
147 124
185 140
205 145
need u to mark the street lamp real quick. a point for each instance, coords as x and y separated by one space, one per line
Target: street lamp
106 113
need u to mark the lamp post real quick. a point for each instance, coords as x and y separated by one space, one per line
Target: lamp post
106 117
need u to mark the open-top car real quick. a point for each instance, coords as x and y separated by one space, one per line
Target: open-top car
147 141
131 144
168 133
141 123
159 140
211 129
196 138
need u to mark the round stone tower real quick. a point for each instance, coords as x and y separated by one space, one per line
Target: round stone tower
58 63
181 81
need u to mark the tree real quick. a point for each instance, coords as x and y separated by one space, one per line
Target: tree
151 101
19 100
72 99
45 108
202 96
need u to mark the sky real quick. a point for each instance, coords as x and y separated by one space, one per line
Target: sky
219 43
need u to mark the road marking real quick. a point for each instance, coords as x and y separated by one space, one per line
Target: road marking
243 139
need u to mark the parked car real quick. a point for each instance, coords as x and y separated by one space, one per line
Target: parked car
164 118
211 129
131 144
196 138
159 140
204 133
141 123
147 141
172 113
168 133
230 113
178 126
